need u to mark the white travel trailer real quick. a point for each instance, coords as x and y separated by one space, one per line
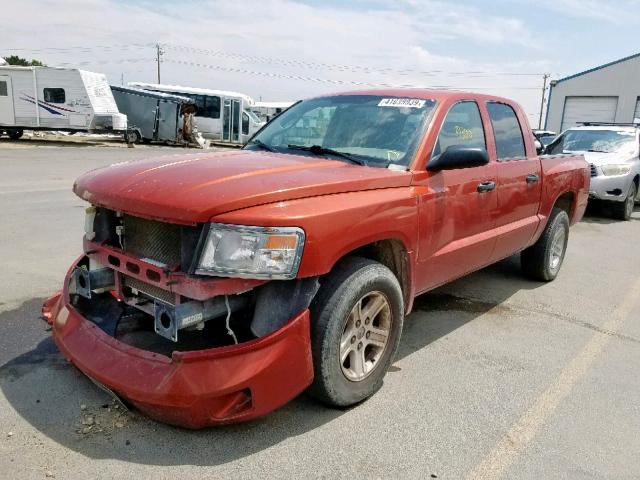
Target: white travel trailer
47 98
269 110
222 116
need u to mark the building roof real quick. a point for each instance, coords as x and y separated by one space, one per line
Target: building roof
630 57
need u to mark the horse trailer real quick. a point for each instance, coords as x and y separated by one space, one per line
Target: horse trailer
223 117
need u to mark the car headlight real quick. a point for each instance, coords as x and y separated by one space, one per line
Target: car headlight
616 169
251 252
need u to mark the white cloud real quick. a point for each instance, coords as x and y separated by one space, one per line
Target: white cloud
403 35
618 12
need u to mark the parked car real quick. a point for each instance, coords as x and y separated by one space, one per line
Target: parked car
545 137
215 288
613 153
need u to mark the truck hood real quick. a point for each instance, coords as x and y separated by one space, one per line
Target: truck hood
193 188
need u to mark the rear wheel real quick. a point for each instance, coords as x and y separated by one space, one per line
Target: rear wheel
623 210
357 321
15 133
542 260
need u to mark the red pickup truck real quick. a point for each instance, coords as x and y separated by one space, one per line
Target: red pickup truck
215 287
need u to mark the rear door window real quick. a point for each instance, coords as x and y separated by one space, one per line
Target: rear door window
3 89
507 131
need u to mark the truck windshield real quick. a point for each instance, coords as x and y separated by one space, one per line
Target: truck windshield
368 129
605 141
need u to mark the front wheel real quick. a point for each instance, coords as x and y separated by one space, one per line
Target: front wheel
623 210
542 260
357 321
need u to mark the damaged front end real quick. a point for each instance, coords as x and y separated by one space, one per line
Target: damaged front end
183 347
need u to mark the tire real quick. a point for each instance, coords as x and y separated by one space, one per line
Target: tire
354 281
623 210
542 261
132 136
15 134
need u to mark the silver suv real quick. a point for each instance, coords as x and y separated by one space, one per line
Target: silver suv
613 150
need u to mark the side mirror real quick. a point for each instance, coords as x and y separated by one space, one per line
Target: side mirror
539 146
458 157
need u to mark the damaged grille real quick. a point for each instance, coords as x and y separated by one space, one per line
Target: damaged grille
166 243
151 239
152 291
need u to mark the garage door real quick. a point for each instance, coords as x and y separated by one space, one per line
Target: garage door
588 109
636 115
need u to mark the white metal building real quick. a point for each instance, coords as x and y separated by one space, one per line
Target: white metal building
608 93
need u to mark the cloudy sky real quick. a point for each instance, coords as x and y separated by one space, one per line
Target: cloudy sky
291 49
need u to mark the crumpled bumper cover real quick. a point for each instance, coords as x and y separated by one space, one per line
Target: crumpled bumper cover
191 389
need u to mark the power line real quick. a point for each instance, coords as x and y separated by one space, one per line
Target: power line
280 61
104 62
332 81
349 68
81 48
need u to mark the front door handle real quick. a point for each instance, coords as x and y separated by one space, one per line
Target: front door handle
532 178
486 186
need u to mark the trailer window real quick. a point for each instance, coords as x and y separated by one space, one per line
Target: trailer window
54 95
3 89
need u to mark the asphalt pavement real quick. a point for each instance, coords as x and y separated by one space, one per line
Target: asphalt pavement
496 377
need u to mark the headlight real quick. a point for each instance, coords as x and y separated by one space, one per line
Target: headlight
616 169
251 252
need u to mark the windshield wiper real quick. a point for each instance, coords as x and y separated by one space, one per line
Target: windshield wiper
596 151
261 144
320 150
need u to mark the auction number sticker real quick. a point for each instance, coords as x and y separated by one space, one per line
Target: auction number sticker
402 102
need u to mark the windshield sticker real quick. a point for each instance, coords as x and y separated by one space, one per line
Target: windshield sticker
402 102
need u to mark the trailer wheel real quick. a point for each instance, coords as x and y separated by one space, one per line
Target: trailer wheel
542 260
15 133
132 136
357 320
623 210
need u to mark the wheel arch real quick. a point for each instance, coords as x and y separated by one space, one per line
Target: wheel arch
394 254
566 201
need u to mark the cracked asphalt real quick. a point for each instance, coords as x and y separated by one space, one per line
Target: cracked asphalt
496 377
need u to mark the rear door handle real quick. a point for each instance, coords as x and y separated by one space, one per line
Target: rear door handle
532 178
486 186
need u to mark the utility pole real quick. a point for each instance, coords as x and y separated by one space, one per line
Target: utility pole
545 77
159 53
122 79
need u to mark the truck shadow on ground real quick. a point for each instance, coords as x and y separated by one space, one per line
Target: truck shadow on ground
48 393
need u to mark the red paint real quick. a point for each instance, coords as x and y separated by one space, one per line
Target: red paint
176 282
446 227
191 389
